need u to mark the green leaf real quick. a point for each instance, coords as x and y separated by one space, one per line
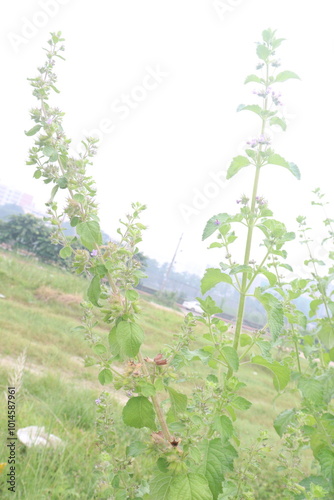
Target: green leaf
54 191
275 120
326 335
241 403
94 291
209 306
212 277
255 108
325 456
79 198
253 78
160 486
231 357
263 52
49 151
178 401
139 412
212 226
312 390
223 425
146 389
281 373
113 343
130 337
237 164
90 234
65 252
212 464
33 130
274 310
189 487
99 349
132 295
245 339
286 75
135 449
105 376
276 159
62 182
271 277
283 420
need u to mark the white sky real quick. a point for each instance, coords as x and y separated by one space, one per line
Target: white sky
163 150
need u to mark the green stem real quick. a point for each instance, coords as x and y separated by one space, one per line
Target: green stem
156 405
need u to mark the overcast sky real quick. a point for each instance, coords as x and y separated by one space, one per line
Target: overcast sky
160 82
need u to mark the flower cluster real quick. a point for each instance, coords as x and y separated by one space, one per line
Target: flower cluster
243 200
276 98
262 139
261 201
263 92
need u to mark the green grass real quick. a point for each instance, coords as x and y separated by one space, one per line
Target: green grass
41 305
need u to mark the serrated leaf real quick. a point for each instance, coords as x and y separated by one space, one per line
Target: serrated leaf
129 336
132 295
160 486
33 130
281 373
245 339
271 277
213 456
94 291
139 412
276 159
90 234
275 120
212 277
283 420
65 252
213 224
189 486
274 310
231 357
241 403
286 75
263 52
49 150
255 108
253 78
312 390
237 164
325 456
99 349
105 376
178 401
135 449
223 425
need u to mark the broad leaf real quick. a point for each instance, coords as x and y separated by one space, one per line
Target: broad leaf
33 130
178 402
90 234
213 224
263 52
94 291
274 310
237 164
253 78
276 159
275 120
286 75
212 464
223 425
135 449
212 277
105 376
231 357
65 252
281 373
160 486
139 412
129 336
189 487
283 420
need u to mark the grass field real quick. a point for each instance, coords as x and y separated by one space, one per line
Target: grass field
40 307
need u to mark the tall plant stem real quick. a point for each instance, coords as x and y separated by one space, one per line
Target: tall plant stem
244 284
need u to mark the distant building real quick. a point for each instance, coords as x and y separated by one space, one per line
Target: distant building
10 196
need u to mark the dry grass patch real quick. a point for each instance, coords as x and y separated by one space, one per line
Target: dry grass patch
48 294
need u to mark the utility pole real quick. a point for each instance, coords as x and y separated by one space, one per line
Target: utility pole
170 265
